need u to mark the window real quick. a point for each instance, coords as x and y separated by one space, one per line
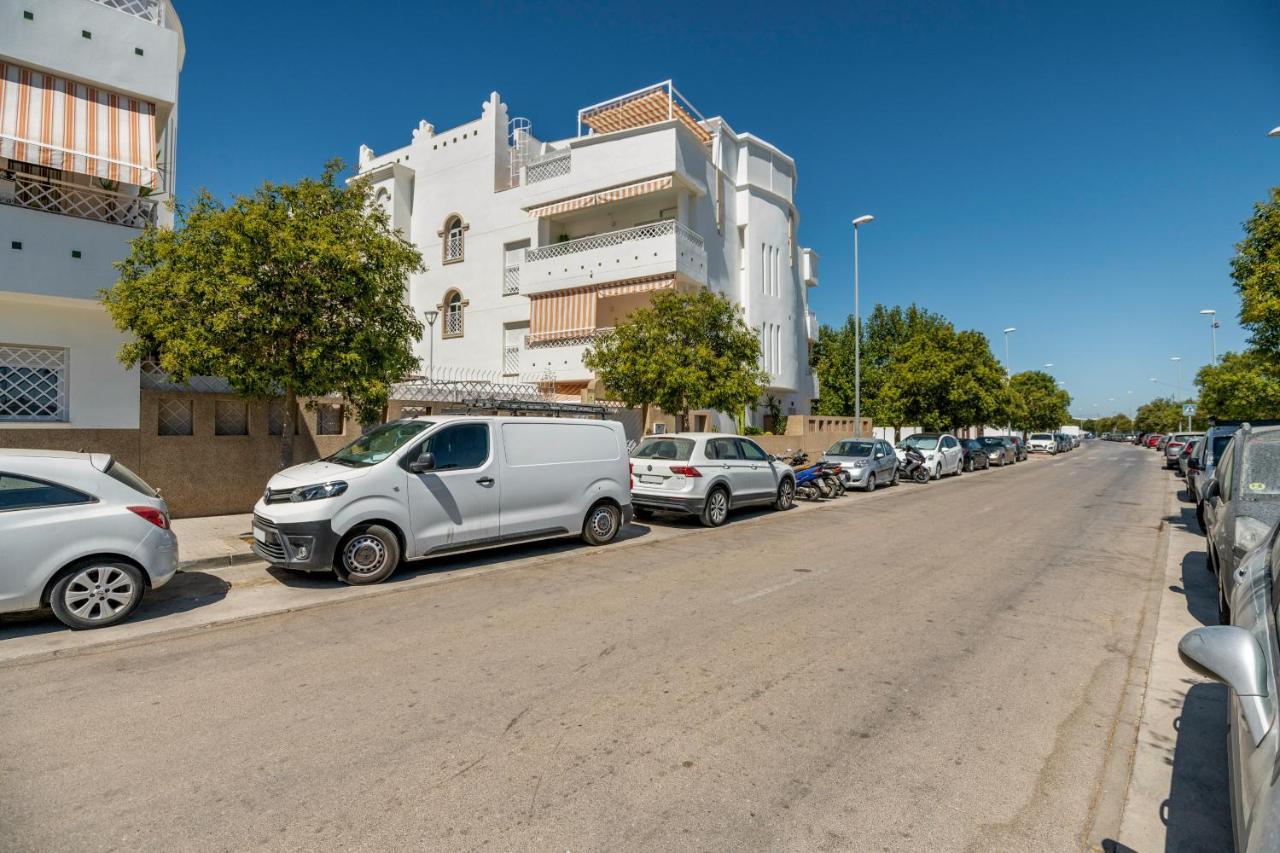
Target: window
378 443
230 417
751 451
329 419
275 418
457 447
173 417
25 493
677 449
33 383
452 234
121 474
722 448
453 307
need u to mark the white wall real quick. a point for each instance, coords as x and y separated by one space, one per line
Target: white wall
44 265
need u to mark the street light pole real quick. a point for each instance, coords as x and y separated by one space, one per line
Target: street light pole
1008 376
431 344
1213 330
1177 359
857 332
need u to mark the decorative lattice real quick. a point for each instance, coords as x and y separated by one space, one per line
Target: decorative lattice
329 418
511 280
151 376
275 418
147 10
552 167
33 383
453 319
173 417
53 196
615 238
230 417
510 361
453 246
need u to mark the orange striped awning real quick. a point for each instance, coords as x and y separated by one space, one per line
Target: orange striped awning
55 122
562 314
637 285
650 107
652 185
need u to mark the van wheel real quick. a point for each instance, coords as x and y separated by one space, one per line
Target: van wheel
368 555
602 524
716 510
96 593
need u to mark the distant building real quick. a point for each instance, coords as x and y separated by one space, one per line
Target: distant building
533 248
88 121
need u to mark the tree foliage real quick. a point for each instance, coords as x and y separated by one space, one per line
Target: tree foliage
1255 270
1241 386
683 351
297 289
1161 415
1039 403
1113 423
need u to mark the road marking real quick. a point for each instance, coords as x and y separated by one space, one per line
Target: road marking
769 590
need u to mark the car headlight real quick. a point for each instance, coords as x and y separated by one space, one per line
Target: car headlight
1249 532
859 463
321 490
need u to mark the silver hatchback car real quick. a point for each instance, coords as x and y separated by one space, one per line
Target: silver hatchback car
706 475
864 462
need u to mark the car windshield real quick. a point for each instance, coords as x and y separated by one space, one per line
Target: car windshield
1261 466
665 447
920 442
1042 436
378 443
850 448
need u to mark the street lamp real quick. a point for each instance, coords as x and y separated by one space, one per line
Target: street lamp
1177 359
1213 326
1274 132
1008 377
857 332
431 316
1046 364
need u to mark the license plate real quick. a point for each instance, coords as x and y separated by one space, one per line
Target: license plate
650 478
259 534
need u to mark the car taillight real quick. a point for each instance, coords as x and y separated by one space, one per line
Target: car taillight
685 471
151 514
631 470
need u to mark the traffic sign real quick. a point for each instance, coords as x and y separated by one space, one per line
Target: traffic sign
1189 410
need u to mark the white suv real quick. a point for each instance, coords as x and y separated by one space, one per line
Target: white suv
82 534
706 474
1042 442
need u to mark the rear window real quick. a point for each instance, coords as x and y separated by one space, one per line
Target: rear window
1261 468
664 447
121 474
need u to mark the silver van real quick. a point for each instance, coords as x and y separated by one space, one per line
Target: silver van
437 485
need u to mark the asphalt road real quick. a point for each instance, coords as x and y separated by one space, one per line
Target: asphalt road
939 667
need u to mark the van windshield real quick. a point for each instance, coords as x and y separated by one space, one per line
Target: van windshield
378 443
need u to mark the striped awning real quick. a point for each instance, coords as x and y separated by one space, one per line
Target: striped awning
562 314
638 285
639 188
59 123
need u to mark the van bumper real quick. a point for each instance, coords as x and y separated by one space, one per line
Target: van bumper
306 546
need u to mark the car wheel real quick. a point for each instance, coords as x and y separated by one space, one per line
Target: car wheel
368 554
937 472
96 593
716 510
968 466
1200 516
786 494
894 480
602 524
871 482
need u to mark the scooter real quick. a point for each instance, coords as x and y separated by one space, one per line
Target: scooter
810 483
912 467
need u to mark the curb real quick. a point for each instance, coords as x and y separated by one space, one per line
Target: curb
224 562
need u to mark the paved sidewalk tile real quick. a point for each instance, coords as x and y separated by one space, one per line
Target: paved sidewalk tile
213 540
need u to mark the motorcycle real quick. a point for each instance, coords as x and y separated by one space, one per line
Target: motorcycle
811 485
911 467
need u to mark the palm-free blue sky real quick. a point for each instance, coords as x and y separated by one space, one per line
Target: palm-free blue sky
1079 171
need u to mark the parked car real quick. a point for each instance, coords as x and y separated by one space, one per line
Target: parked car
1000 451
1152 440
1201 466
707 475
1186 453
1174 446
1140 439
1020 448
975 454
427 486
1042 442
1076 439
942 453
864 462
1242 502
82 534
1064 442
1242 655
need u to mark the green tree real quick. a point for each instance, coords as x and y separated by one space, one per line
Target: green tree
683 351
1256 272
297 289
979 395
1240 387
1161 415
1039 403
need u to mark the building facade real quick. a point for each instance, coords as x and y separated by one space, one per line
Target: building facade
88 120
534 248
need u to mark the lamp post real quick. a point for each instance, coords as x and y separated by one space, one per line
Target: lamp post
1047 364
1177 359
1274 132
431 316
1130 393
857 332
1213 328
1008 376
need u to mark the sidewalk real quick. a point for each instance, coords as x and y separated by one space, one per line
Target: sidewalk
215 541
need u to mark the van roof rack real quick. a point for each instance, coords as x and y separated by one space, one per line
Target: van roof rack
482 406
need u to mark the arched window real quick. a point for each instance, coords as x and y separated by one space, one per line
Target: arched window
452 308
452 235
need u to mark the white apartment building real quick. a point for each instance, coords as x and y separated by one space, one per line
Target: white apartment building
88 114
533 247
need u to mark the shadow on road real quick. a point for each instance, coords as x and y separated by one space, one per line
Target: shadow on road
1197 815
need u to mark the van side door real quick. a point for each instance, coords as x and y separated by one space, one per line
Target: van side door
454 505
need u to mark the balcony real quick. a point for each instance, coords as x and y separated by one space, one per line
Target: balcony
657 248
811 325
85 202
147 10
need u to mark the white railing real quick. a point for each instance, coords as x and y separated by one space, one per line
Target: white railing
616 238
453 248
511 280
453 322
553 166
147 10
566 337
510 361
53 196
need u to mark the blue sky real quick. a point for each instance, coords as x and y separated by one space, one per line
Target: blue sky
1079 171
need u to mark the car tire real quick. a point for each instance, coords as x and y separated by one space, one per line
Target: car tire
786 494
968 466
894 480
715 511
1200 516
96 593
871 482
937 472
368 554
602 524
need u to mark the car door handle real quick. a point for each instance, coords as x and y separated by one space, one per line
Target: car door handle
485 481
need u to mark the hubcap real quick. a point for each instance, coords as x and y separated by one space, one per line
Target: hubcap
99 593
364 555
787 492
602 522
719 506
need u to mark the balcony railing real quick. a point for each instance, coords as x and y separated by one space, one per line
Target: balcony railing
566 338
615 238
511 280
147 10
552 166
510 361
54 196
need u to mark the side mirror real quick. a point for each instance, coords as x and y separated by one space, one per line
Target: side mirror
1230 655
425 462
1212 491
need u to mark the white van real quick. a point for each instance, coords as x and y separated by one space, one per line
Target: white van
436 485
